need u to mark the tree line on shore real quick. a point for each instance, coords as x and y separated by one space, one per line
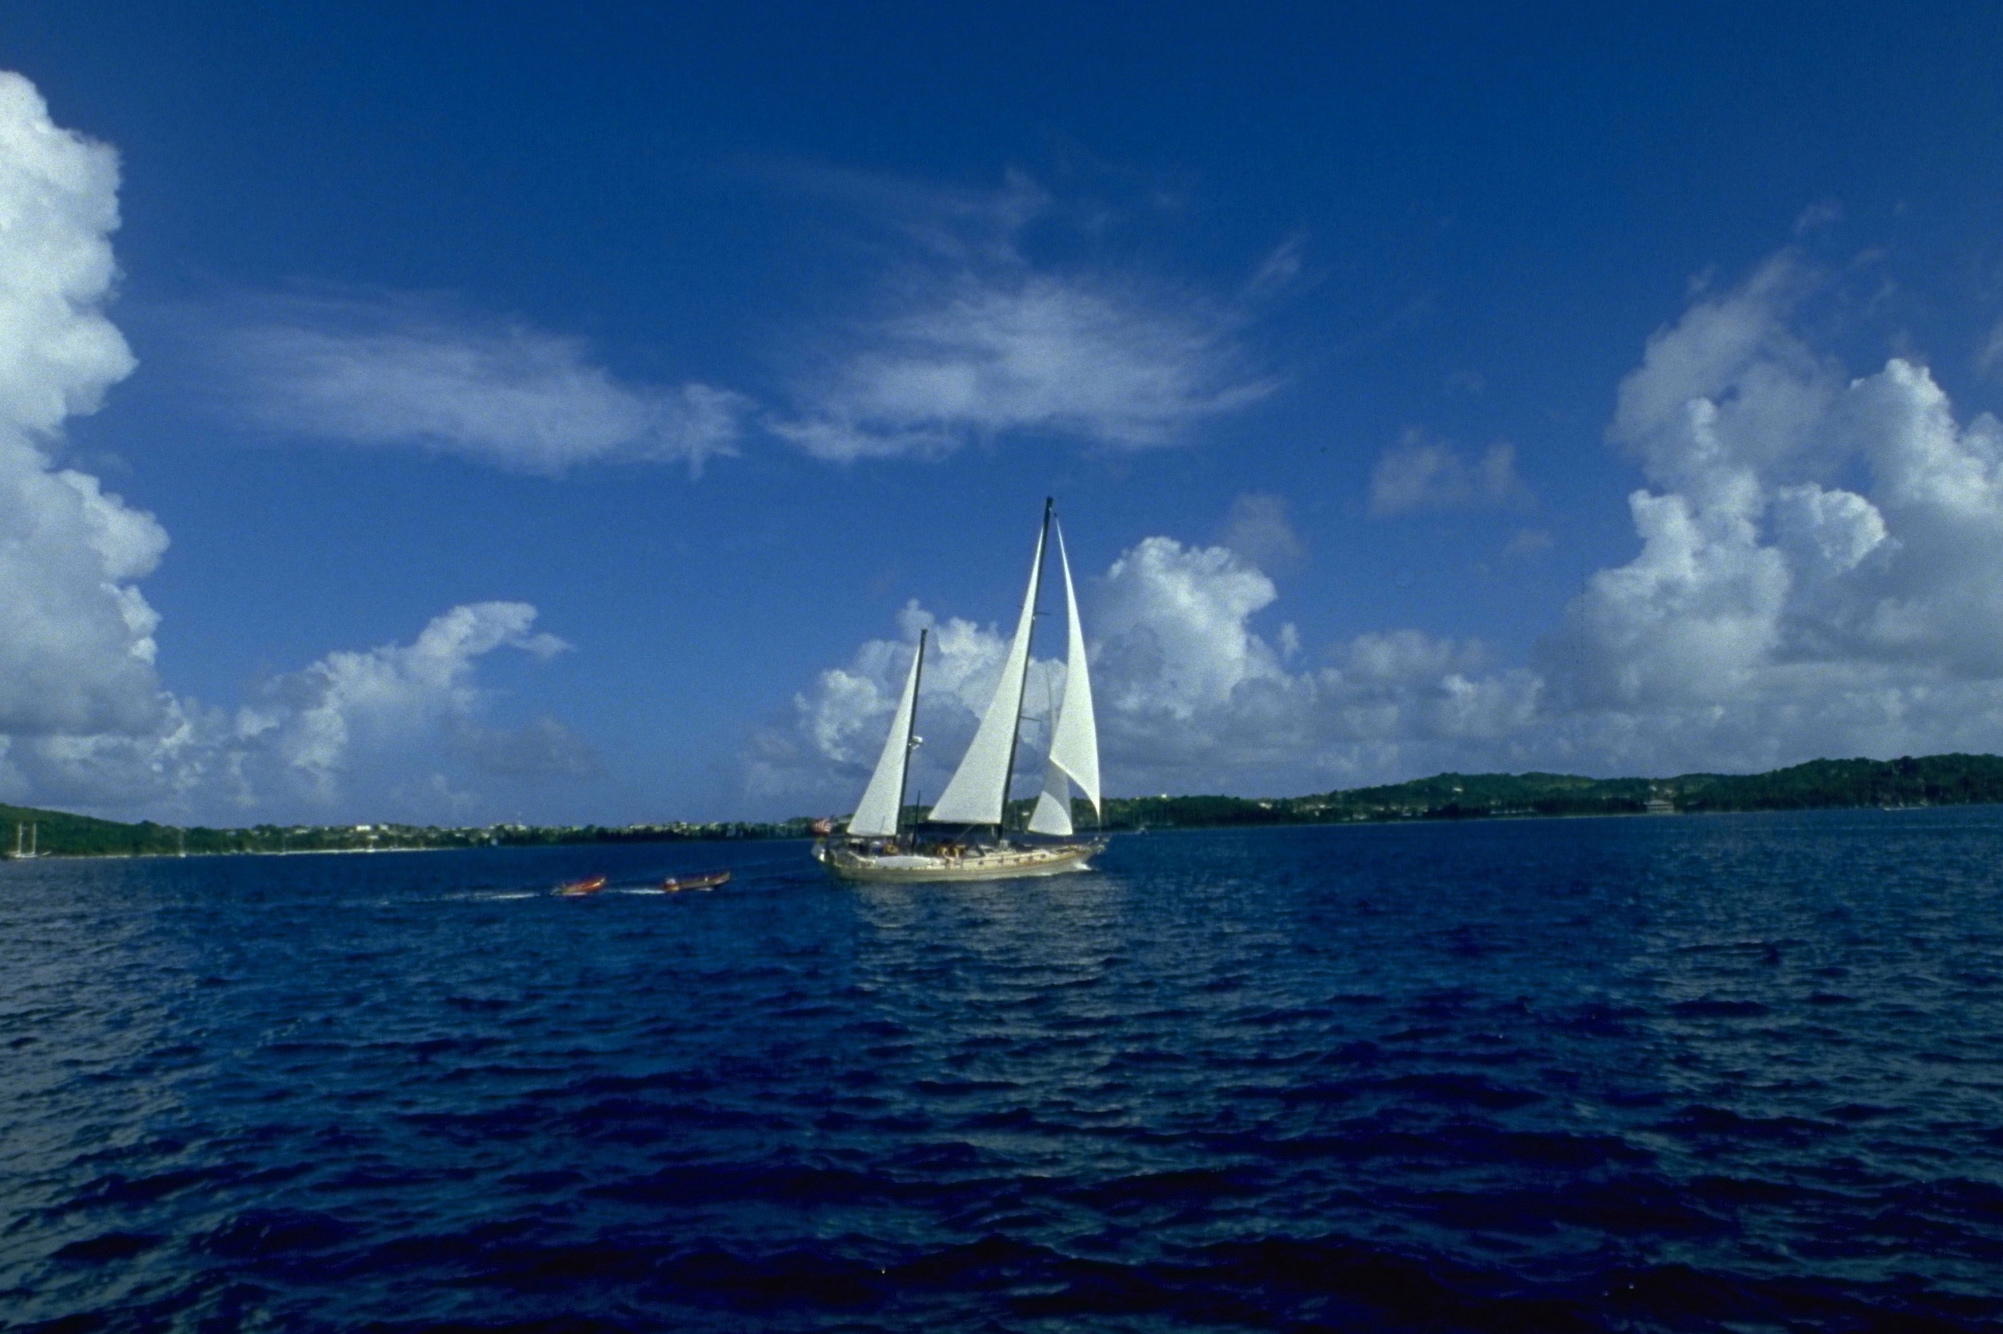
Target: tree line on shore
1934 780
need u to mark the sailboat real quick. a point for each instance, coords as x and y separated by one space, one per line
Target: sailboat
28 851
963 836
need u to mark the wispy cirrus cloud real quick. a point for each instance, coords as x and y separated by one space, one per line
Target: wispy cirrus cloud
390 369
975 337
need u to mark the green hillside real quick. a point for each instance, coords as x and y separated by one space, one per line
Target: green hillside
1935 780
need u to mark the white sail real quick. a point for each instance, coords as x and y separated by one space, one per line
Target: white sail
975 793
1053 805
876 815
1074 743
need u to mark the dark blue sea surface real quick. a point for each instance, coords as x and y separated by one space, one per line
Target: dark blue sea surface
1702 1073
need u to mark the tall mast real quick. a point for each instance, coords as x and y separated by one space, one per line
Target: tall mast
911 729
1015 733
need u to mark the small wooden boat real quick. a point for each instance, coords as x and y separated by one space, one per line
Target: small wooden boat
707 880
571 889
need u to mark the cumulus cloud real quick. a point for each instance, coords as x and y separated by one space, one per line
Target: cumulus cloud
836 729
1191 693
85 722
977 340
1420 473
76 635
1819 572
1772 614
312 722
59 199
408 714
401 728
396 369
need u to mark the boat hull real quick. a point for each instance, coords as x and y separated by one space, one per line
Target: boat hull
990 864
676 884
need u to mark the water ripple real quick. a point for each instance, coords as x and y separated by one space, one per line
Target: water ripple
1699 1074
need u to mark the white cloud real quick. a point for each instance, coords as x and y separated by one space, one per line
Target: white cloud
329 733
1173 628
1728 391
58 207
76 636
1190 694
1423 474
978 340
383 369
1687 620
401 729
836 730
1819 573
1771 616
84 720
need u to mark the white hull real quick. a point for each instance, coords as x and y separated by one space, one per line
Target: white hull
975 864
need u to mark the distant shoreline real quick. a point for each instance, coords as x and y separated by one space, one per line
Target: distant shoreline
1900 784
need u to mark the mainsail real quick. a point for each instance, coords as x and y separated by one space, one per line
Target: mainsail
978 788
977 793
883 800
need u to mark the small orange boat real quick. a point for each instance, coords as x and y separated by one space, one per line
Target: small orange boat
571 889
707 880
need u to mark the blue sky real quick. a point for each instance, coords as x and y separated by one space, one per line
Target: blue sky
457 413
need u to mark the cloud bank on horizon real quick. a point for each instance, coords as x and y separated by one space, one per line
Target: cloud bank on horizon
1819 564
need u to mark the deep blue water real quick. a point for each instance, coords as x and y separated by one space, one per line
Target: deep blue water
1704 1073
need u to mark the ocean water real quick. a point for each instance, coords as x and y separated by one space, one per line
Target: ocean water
1705 1073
